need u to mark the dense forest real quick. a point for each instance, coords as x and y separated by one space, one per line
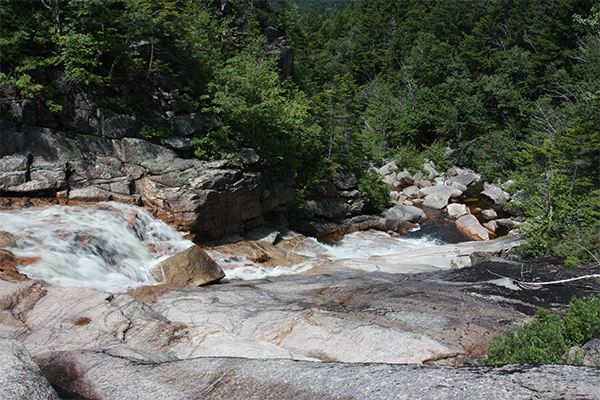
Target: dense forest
509 88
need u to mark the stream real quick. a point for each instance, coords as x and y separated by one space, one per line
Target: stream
110 246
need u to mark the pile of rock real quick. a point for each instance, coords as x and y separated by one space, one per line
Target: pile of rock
443 191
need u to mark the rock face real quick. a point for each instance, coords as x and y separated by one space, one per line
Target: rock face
208 199
20 377
238 378
190 267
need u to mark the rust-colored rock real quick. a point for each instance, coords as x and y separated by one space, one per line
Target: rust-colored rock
191 267
470 226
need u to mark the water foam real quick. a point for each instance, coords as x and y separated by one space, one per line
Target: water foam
107 247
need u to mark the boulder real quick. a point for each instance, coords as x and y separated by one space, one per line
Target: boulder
402 212
457 186
356 206
390 179
190 267
464 179
326 208
491 226
429 168
344 180
351 194
588 355
411 191
424 183
456 210
20 377
388 169
179 143
248 156
437 196
190 124
470 226
405 178
489 215
507 223
495 195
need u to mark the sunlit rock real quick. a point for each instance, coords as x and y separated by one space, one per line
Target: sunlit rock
470 226
457 210
20 377
190 267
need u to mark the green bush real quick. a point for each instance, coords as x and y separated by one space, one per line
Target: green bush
375 192
582 321
149 132
548 337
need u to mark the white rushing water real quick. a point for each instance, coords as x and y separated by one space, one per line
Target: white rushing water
110 247
107 247
362 244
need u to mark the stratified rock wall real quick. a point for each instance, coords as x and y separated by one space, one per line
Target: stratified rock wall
204 198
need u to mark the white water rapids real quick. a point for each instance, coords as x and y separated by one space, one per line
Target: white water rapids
110 246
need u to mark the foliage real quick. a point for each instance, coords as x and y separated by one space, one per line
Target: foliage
582 321
548 337
150 132
538 341
375 192
261 112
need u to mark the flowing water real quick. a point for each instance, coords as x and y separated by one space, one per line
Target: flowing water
110 246
107 247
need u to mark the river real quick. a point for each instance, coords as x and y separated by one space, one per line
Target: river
110 246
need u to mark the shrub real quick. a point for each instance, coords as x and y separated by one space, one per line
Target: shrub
375 192
548 337
582 320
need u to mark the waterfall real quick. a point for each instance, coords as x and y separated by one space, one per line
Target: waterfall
106 246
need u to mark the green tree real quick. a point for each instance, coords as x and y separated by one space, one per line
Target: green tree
260 111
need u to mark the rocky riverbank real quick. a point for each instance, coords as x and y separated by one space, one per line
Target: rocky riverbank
361 315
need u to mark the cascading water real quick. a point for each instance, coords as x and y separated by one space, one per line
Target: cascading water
107 247
111 246
361 244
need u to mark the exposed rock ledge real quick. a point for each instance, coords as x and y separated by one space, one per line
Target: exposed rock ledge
205 198
239 339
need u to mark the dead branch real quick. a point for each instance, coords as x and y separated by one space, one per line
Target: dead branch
540 284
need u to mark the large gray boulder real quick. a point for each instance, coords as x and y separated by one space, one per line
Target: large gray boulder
20 377
470 226
402 212
465 179
494 195
437 196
